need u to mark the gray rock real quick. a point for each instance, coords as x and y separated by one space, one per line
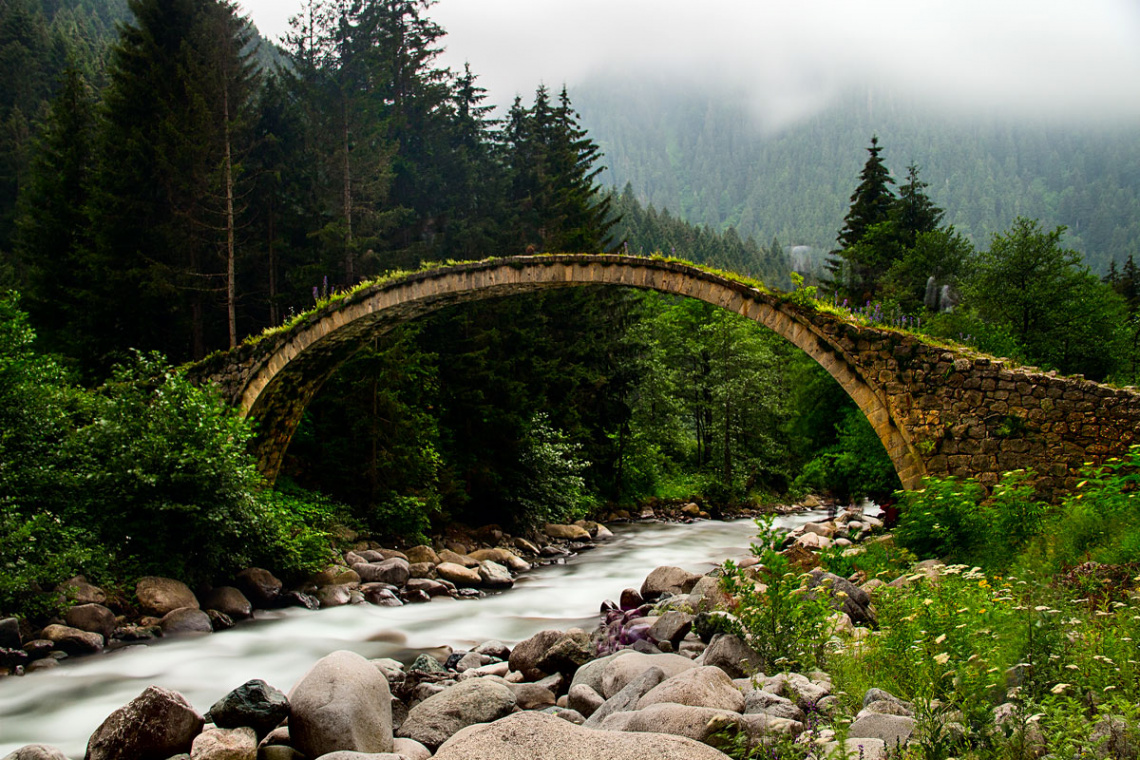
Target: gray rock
394 571
94 618
342 703
893 730
727 652
427 585
568 653
78 591
878 695
668 580
538 736
461 576
590 674
36 752
425 663
672 627
493 648
219 621
422 553
844 596
471 660
228 600
676 719
437 718
494 575
584 699
532 696
153 726
72 640
225 744
334 596
707 595
760 701
697 687
410 749
527 654
885 707
261 587
620 671
864 749
158 596
185 620
567 714
628 698
255 704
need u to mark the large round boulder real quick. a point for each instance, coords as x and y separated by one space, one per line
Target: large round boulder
155 725
698 687
228 600
342 703
158 596
94 618
538 736
494 575
36 752
394 571
461 576
566 532
527 654
185 620
668 580
667 718
260 586
73 640
440 716
422 553
622 670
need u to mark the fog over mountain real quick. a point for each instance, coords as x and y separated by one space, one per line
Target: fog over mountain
1039 58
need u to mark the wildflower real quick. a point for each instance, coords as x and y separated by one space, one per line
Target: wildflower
1060 688
1040 608
940 639
1072 667
941 658
928 602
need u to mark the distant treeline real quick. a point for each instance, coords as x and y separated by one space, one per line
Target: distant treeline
703 157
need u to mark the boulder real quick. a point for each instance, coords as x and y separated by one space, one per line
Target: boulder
699 687
461 576
342 703
679 720
36 752
410 749
422 553
864 749
527 654
729 653
590 674
813 541
584 699
673 626
185 620
72 640
153 726
79 591
566 532
825 529
668 580
437 718
891 729
539 736
627 699
532 696
621 670
334 596
568 653
496 554
228 600
494 575
225 744
94 618
845 596
759 701
394 571
455 558
493 648
255 704
158 596
260 586
630 599
707 595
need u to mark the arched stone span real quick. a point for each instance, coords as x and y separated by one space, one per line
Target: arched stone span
937 411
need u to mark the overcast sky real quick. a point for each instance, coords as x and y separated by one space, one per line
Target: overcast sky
793 56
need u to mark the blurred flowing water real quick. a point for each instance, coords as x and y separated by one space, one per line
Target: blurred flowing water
64 705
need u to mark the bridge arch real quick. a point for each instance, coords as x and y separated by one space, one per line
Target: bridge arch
273 379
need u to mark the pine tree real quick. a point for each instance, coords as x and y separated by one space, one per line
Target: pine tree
857 262
914 213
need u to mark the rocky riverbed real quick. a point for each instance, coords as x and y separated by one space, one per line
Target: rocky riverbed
647 682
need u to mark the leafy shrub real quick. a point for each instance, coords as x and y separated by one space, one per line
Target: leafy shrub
552 488
405 516
942 520
781 621
856 465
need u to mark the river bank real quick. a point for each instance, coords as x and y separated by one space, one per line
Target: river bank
65 704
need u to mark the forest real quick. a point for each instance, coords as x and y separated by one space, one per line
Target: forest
174 184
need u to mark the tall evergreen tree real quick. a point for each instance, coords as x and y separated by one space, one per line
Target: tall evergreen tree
855 264
914 212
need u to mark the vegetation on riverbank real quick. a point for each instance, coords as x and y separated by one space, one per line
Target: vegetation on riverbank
1039 609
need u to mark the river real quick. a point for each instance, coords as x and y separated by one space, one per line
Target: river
64 705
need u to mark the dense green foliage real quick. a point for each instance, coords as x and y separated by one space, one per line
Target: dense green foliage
147 474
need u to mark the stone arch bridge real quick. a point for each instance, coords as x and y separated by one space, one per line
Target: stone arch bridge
937 410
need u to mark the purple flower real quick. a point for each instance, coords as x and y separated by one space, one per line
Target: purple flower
316 293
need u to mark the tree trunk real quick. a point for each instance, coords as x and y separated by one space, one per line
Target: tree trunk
231 290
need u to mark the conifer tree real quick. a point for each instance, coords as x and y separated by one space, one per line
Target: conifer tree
914 212
851 267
